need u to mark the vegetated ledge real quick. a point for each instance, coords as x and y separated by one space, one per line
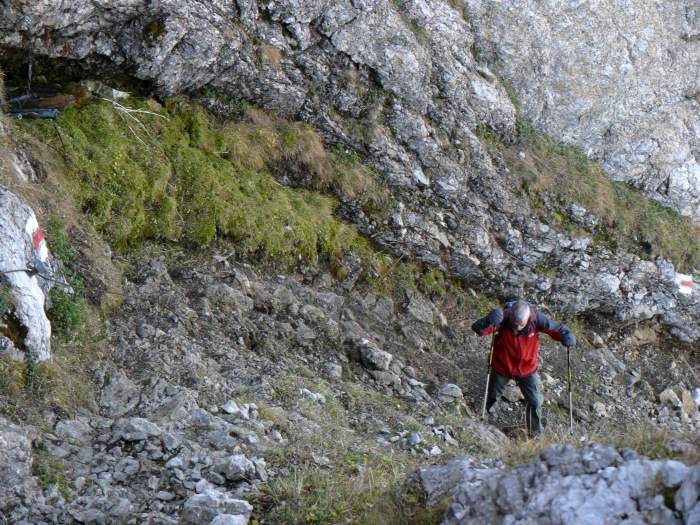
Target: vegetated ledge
630 220
176 175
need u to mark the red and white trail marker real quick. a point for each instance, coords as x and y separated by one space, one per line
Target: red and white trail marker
685 283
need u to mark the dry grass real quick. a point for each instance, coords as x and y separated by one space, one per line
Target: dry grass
271 54
639 223
647 440
550 165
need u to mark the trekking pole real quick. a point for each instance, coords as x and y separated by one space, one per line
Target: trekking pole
571 405
488 376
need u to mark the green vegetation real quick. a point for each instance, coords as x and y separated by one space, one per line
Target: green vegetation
181 176
65 384
7 299
340 474
154 32
512 96
461 7
66 314
58 239
552 166
51 471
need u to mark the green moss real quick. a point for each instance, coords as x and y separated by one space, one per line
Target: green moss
154 32
433 282
189 179
511 95
7 298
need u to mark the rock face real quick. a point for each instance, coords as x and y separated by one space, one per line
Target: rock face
21 244
397 82
19 486
566 485
619 79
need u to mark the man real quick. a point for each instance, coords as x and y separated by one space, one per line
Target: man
515 351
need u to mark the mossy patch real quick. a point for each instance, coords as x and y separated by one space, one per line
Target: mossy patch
154 32
182 176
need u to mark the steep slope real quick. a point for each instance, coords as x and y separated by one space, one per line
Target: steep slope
396 82
288 329
619 79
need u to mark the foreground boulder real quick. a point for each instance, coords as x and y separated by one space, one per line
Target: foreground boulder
566 485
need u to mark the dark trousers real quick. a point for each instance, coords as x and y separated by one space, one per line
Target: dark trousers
530 388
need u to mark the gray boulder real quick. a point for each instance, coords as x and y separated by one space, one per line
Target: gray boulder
594 484
119 395
235 467
19 486
205 507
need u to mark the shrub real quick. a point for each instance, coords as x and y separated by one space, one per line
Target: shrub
66 314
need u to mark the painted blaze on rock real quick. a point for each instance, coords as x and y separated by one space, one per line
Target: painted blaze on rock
22 244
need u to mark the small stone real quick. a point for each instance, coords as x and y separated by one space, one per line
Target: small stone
333 370
230 407
235 467
669 397
450 393
79 483
549 380
175 462
170 442
688 404
321 460
414 439
204 507
435 451
165 496
599 409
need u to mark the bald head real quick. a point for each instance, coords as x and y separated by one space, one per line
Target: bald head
519 314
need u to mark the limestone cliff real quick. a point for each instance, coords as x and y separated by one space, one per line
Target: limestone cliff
399 83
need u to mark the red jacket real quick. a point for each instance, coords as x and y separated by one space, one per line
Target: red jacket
515 355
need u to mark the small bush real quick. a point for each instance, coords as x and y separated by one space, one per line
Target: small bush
58 240
66 314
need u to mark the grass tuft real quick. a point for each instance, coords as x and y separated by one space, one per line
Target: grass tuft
552 166
647 440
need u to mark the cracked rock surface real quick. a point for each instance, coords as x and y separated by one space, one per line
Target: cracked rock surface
619 79
566 485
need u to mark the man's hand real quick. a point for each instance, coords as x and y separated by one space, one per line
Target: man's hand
495 318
